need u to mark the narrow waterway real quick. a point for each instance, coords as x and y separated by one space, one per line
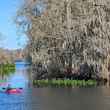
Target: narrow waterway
52 98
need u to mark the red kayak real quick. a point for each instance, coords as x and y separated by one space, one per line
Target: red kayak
14 91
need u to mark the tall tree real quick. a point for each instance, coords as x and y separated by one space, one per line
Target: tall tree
67 32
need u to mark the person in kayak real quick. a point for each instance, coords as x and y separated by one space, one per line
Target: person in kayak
9 87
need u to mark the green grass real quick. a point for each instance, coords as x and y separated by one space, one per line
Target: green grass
2 81
64 83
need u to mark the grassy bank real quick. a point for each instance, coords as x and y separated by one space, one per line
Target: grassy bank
2 81
6 69
64 83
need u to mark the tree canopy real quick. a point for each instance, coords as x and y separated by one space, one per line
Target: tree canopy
67 32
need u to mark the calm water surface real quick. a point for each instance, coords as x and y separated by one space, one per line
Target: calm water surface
52 98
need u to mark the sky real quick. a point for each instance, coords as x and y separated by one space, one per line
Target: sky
10 39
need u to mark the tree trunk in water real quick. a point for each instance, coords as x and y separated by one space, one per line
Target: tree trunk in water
70 63
69 36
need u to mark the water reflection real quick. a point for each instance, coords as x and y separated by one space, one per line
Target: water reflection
73 99
17 80
52 98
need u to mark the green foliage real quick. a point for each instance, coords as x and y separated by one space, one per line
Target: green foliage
7 69
64 83
2 81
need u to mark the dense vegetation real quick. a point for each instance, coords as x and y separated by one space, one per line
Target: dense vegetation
64 83
6 69
65 35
